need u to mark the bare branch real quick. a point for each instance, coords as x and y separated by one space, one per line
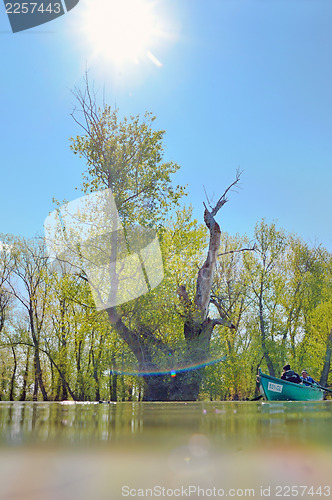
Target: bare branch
237 251
223 199
223 322
209 201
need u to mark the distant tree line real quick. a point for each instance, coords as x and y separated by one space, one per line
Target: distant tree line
55 345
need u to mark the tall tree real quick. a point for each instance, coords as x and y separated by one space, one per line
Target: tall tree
27 284
264 273
126 156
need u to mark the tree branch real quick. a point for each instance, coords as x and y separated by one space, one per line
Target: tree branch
223 199
238 251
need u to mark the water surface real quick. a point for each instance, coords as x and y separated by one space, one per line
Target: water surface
112 451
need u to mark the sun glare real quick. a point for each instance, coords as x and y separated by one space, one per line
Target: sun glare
120 31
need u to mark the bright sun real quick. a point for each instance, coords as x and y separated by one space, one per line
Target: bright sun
120 31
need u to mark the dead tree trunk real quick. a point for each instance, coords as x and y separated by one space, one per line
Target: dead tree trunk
198 326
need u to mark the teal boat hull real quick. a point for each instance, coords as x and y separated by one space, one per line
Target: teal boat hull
276 389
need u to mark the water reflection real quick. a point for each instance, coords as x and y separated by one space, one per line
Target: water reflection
241 424
87 450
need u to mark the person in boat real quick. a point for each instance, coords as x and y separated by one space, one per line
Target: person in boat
290 375
305 379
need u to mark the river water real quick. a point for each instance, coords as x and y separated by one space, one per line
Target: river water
87 451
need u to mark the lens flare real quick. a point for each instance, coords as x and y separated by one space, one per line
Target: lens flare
121 32
172 372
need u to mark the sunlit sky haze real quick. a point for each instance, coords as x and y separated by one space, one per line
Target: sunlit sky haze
118 33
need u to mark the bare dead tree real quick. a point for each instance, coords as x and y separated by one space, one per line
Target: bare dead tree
206 272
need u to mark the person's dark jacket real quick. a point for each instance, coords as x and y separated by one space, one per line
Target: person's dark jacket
291 376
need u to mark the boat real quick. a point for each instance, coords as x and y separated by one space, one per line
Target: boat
276 389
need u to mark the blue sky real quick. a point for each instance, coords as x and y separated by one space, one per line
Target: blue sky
242 84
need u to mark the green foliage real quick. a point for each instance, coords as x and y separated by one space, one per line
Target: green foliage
126 155
82 357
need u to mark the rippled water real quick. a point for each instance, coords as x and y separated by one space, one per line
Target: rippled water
51 451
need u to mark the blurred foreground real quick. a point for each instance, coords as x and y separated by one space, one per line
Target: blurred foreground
52 451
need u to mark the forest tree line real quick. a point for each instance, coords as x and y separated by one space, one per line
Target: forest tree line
55 345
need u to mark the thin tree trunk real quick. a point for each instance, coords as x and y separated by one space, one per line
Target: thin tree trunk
38 370
113 381
35 389
12 381
263 335
39 374
25 377
327 362
62 376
